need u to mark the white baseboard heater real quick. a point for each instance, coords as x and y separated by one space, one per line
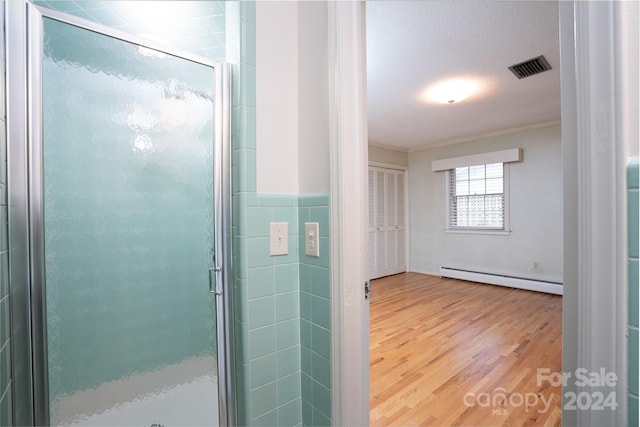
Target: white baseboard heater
502 280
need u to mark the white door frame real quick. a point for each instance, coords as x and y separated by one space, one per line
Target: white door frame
599 51
348 214
594 202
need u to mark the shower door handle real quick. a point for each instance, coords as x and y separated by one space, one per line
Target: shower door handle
213 278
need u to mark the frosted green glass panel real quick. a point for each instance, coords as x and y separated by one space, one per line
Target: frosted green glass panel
128 225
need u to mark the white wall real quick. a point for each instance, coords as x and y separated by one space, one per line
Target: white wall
386 155
277 97
292 105
313 97
535 211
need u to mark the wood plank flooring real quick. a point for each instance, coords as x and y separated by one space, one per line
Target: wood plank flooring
436 342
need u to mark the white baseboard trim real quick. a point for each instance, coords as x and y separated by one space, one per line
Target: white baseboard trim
430 273
507 281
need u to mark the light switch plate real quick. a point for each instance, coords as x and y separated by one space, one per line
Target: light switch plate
279 238
311 239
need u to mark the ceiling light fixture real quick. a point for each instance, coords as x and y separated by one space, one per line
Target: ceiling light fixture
452 91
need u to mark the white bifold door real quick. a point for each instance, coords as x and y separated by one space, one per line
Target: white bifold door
387 222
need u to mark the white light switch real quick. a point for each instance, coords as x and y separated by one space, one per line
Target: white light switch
311 239
279 238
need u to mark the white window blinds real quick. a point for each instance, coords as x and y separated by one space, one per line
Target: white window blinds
477 197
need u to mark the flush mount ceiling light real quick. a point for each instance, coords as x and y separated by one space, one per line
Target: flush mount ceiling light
452 90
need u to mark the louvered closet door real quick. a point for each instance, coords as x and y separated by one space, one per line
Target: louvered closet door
372 223
401 260
380 222
386 222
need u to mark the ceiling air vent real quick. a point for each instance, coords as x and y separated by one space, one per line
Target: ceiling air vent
530 67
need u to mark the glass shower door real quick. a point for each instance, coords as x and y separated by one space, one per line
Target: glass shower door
127 208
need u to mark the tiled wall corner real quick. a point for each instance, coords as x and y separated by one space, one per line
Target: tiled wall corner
633 220
6 374
267 313
265 292
315 315
272 318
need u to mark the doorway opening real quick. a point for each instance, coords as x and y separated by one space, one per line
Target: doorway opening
478 229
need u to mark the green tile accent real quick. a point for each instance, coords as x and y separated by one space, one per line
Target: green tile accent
321 341
290 414
240 301
261 282
320 199
5 366
305 361
286 277
306 384
633 292
303 216
315 291
248 54
263 370
305 333
258 222
632 403
262 312
243 383
287 334
305 271
3 223
321 216
240 257
632 173
287 306
633 222
289 388
305 306
289 215
244 92
248 200
321 369
263 400
288 361
319 419
270 419
307 412
320 311
244 415
322 260
633 361
4 322
258 252
244 128
277 200
262 341
244 175
292 255
5 408
242 343
320 281
248 14
321 399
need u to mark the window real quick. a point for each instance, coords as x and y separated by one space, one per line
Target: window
477 197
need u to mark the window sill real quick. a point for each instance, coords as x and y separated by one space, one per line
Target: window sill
477 231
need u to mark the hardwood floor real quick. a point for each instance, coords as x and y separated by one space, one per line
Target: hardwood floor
438 343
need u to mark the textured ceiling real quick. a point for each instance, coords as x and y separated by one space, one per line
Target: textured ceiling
412 44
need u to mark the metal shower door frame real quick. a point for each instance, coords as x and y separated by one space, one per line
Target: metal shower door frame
25 174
